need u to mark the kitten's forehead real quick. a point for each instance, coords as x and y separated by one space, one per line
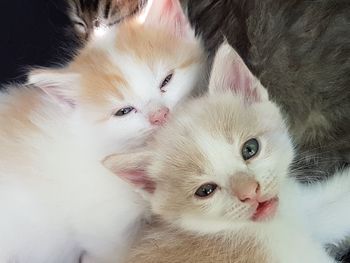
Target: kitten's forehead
219 153
153 45
108 77
229 116
224 117
211 135
100 77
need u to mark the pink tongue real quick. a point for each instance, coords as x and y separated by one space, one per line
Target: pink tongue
264 210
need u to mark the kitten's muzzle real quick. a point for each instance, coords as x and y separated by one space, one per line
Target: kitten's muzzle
245 187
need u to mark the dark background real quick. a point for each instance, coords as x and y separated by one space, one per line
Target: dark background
33 33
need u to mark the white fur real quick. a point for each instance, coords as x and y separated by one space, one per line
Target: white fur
310 217
57 200
326 207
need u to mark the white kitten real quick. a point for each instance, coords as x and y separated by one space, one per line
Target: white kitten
57 201
219 172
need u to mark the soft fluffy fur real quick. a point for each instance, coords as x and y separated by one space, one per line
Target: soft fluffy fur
163 243
202 144
58 202
299 49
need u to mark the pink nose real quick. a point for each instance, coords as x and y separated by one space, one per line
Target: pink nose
245 187
159 116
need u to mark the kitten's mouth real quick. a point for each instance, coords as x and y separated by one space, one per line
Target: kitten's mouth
265 210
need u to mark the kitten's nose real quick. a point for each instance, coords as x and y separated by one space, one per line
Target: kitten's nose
245 187
159 116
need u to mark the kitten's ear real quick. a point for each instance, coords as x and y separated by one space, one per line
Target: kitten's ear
76 16
169 15
229 72
131 167
60 85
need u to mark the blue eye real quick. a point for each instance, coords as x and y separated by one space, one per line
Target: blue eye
124 111
250 149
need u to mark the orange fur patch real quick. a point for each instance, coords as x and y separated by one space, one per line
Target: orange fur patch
14 118
150 45
100 78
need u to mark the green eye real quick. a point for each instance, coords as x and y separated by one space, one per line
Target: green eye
124 111
206 190
250 149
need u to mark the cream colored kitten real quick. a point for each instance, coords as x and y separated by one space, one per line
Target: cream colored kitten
58 203
217 174
161 242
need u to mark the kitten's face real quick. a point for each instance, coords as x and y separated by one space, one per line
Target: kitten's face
213 167
133 86
130 80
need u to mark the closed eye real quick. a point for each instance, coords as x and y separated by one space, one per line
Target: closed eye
80 26
166 81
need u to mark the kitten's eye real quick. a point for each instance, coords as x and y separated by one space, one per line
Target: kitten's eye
124 111
166 82
250 148
81 27
206 189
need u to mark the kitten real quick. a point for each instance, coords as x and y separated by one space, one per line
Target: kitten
88 16
130 78
219 171
299 50
58 202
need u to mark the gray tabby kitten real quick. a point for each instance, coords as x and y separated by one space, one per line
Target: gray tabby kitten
88 15
300 50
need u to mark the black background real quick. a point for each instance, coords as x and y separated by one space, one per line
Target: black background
33 33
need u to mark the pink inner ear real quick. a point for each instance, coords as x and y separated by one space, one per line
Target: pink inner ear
139 179
56 93
168 5
169 14
241 81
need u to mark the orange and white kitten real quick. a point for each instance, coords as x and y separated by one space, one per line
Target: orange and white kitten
217 175
128 78
57 202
